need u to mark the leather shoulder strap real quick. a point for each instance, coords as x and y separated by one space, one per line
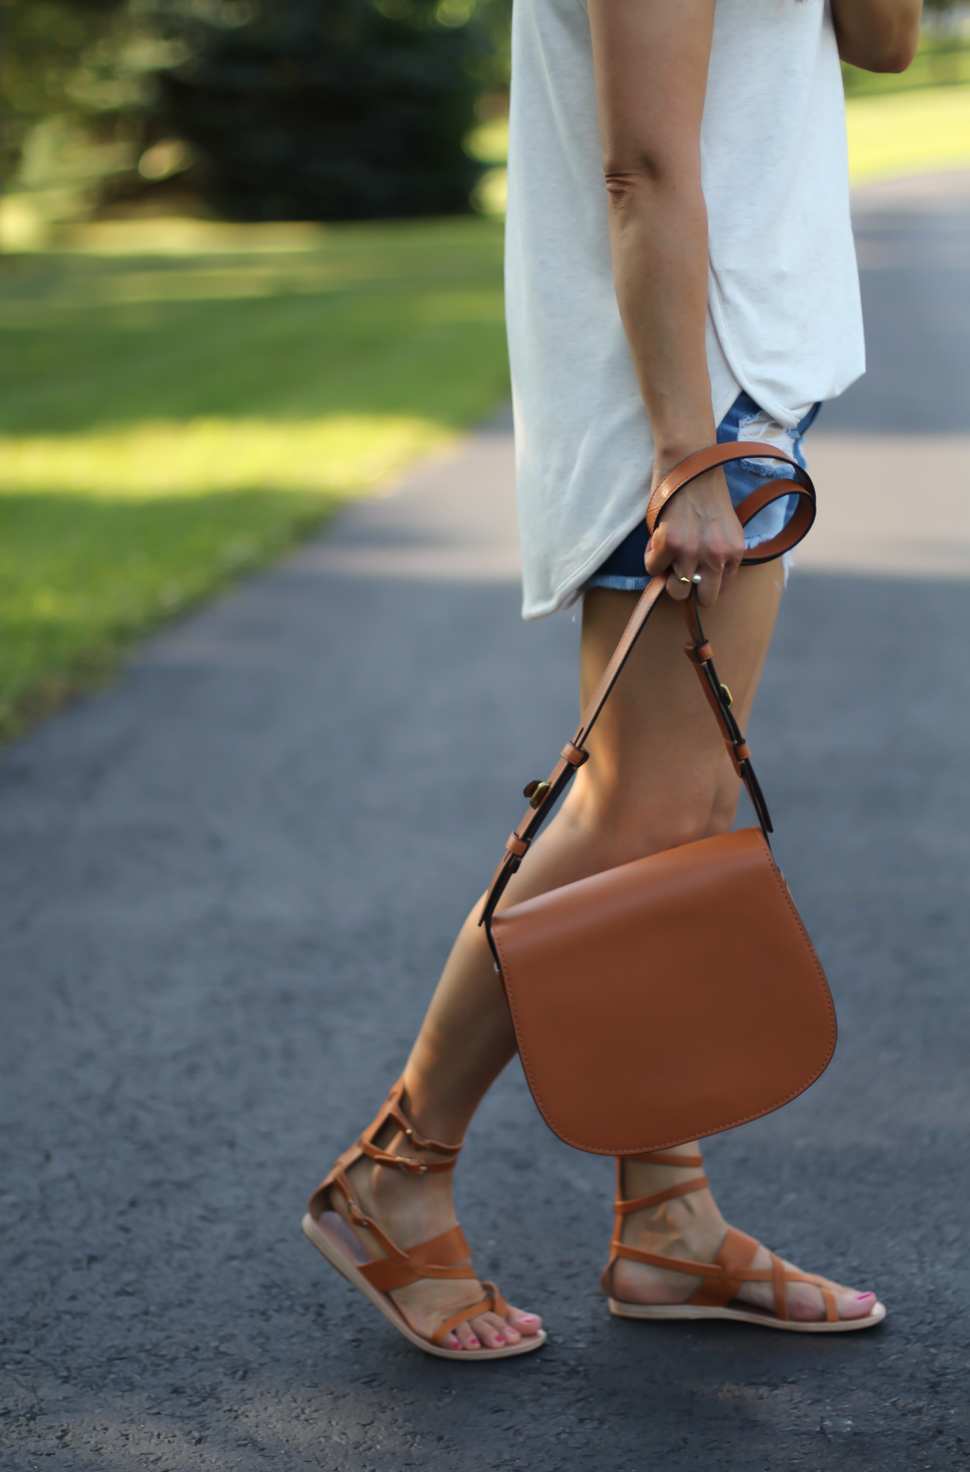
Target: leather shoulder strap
544 795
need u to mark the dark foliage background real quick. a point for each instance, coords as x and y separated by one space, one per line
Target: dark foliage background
333 109
289 109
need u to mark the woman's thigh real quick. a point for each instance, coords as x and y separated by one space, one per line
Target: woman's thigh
658 773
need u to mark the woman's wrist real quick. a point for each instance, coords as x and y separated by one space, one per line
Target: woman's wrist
670 451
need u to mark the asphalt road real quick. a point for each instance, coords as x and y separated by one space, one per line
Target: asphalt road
229 883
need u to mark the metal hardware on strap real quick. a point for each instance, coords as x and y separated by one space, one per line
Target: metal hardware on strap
543 795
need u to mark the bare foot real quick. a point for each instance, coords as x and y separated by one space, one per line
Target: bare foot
412 1209
692 1228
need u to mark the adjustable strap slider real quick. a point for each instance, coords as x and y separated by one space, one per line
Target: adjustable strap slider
516 845
574 755
699 652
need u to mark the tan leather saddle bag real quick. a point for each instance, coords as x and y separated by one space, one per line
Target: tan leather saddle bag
619 1061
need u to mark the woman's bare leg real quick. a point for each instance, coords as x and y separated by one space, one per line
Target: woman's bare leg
658 776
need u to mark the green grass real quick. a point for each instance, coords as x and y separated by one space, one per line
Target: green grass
902 133
940 61
181 401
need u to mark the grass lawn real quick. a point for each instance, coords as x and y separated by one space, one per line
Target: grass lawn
893 134
180 401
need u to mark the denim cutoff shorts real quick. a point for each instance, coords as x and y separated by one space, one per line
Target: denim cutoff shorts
624 569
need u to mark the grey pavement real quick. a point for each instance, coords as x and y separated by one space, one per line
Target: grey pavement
230 881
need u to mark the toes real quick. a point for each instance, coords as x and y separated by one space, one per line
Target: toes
806 1303
491 1331
855 1305
467 1338
519 1323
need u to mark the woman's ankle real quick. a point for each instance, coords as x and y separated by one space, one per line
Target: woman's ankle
436 1111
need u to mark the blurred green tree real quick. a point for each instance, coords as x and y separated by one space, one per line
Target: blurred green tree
42 43
332 109
319 109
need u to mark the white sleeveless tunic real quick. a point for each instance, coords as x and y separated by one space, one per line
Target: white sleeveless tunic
784 318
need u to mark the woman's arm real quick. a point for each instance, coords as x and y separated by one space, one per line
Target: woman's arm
877 35
651 59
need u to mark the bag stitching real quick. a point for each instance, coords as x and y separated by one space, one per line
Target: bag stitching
747 1118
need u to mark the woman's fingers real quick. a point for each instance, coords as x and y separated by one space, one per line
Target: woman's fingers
698 533
681 585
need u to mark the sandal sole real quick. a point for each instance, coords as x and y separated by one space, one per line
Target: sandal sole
327 1242
744 1316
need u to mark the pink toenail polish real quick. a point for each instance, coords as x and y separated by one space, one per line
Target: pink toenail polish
474 1343
865 1295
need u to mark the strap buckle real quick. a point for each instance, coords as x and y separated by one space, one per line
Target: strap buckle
535 791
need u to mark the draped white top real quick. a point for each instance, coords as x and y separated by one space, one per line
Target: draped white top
784 318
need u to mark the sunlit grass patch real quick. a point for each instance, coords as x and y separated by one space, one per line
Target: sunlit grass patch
184 409
104 535
904 133
334 455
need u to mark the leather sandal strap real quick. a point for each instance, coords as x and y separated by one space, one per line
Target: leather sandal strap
828 1297
670 1193
734 1259
660 1260
642 1203
443 1256
494 1303
404 1162
724 1276
781 1287
392 1111
359 1217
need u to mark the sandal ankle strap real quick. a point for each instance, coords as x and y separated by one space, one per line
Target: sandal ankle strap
624 1207
393 1112
643 1203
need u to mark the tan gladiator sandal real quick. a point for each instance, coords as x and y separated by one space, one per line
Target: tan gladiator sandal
439 1257
714 1299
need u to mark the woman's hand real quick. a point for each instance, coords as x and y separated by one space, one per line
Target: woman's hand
698 532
